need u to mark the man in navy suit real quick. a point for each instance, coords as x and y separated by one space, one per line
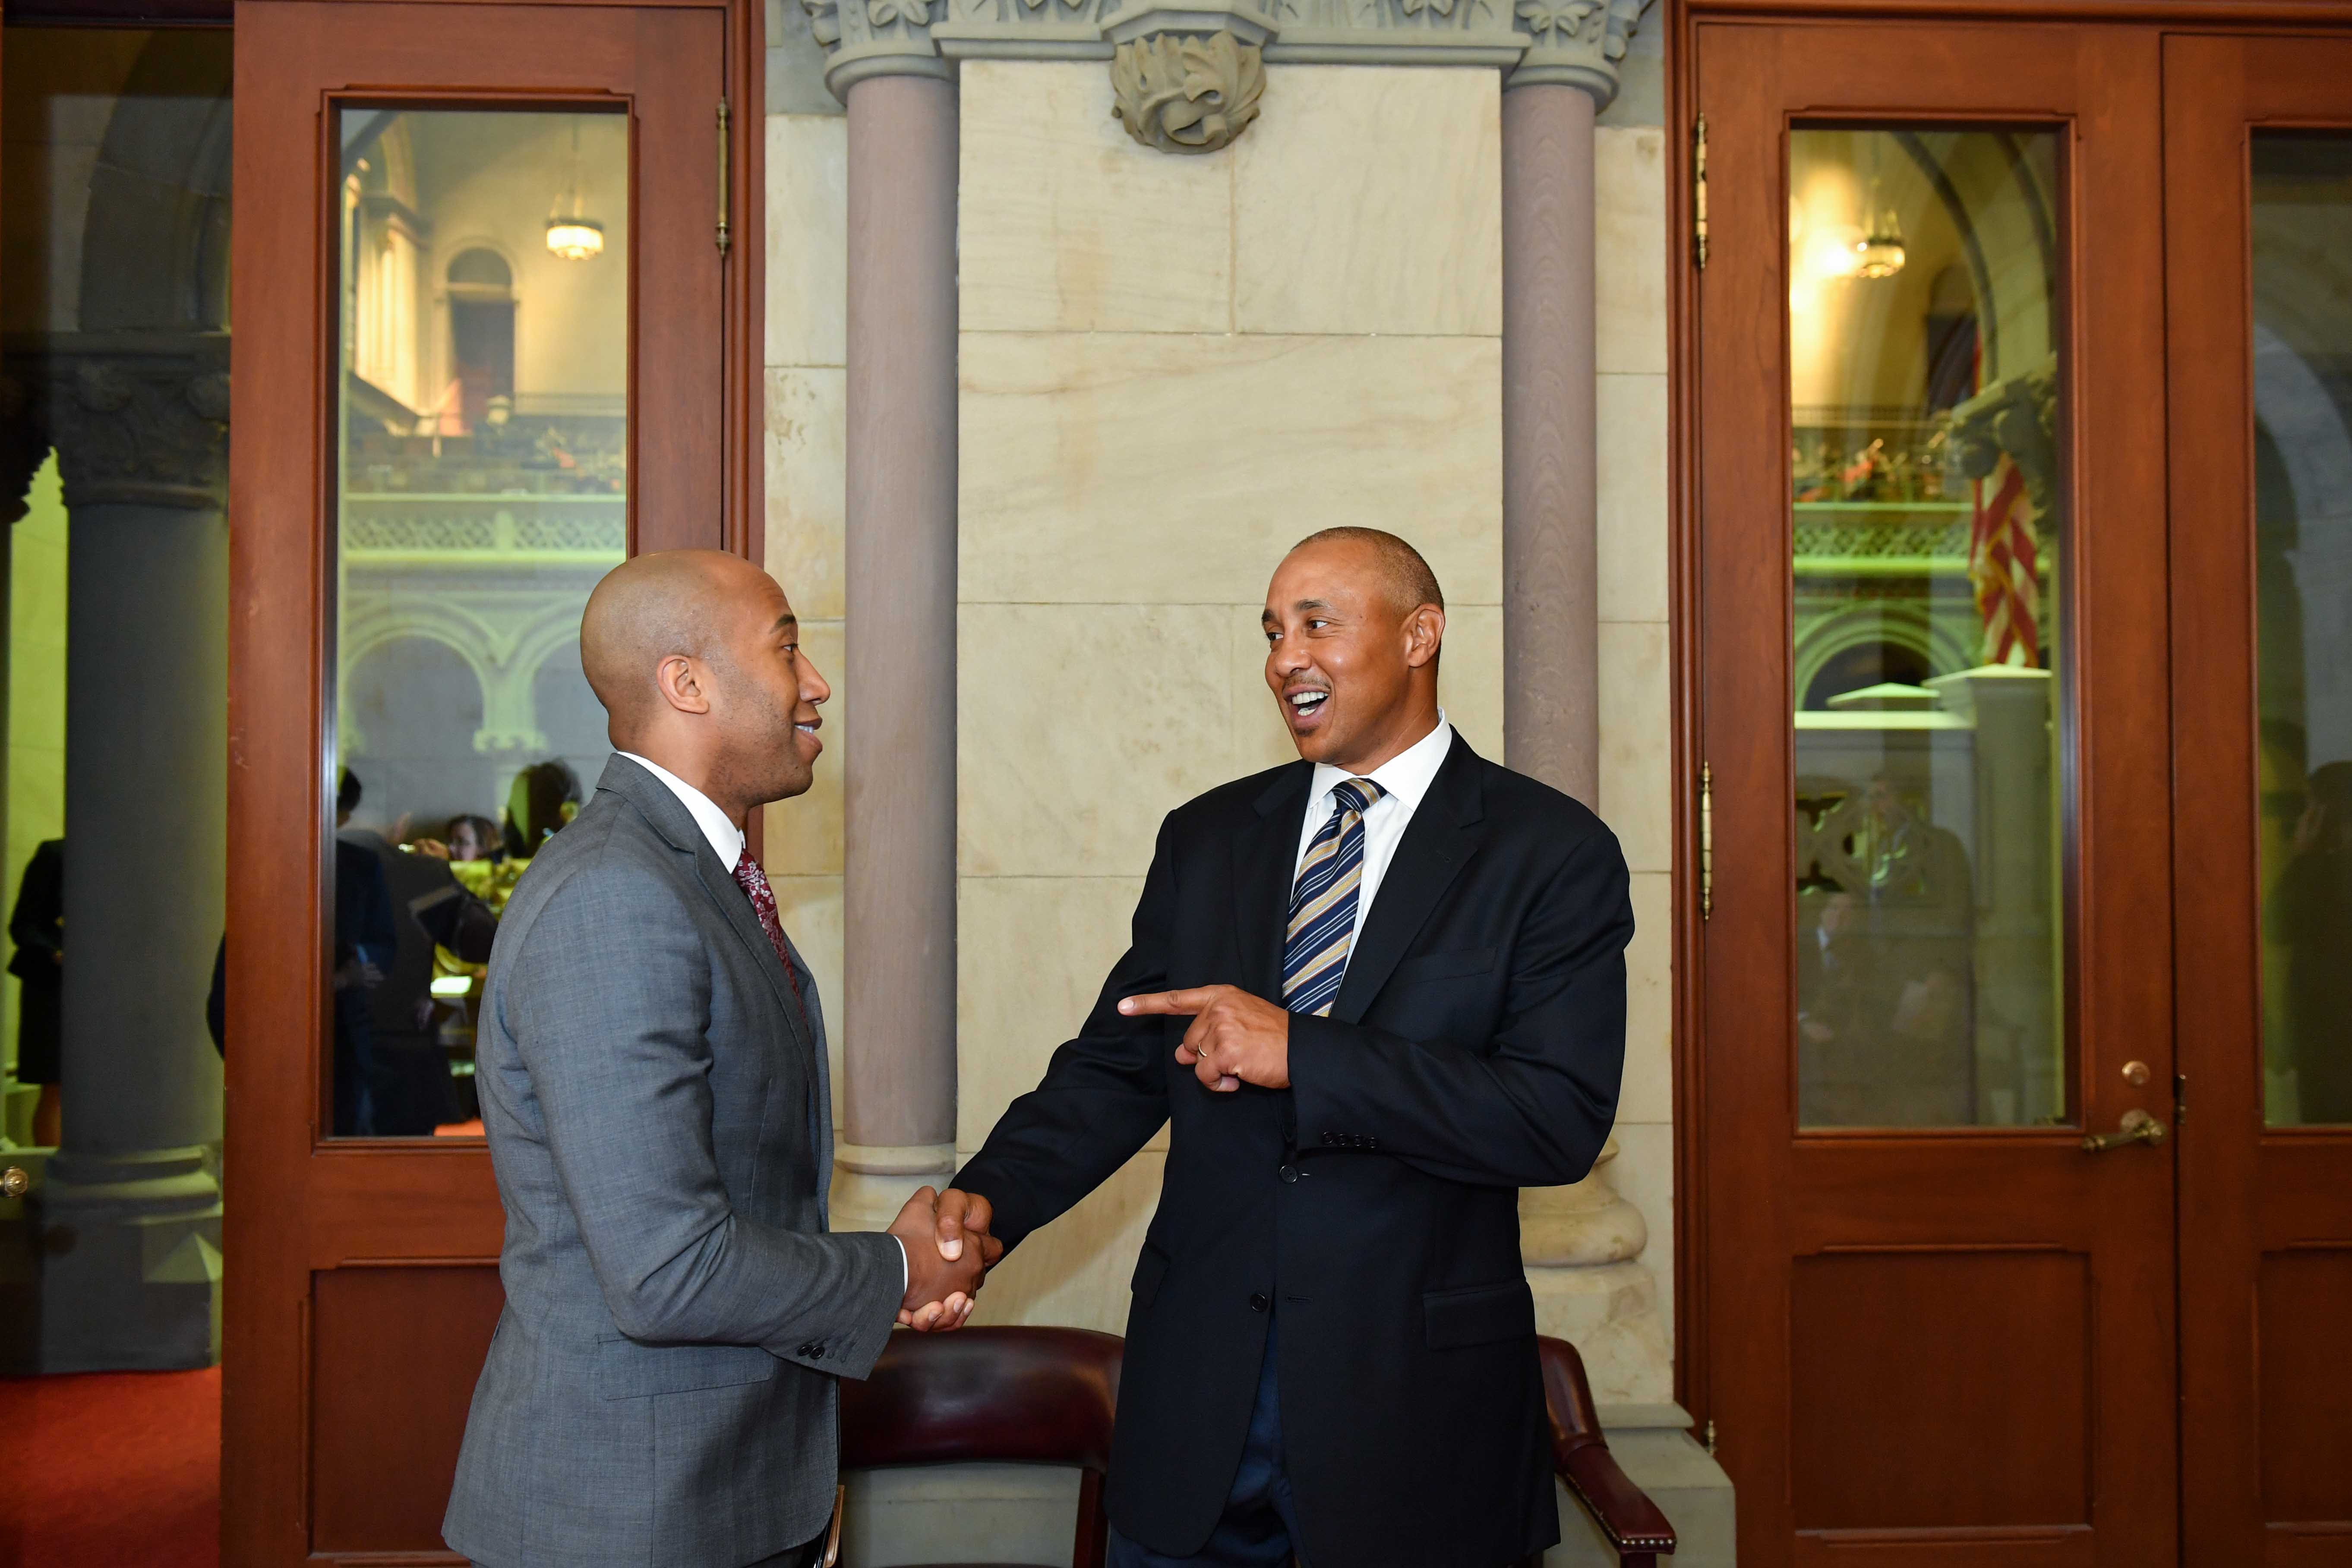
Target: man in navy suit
1376 992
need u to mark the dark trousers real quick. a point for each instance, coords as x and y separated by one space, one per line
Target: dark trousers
1260 1527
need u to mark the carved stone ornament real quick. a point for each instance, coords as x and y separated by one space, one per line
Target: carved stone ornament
1187 94
1576 43
138 419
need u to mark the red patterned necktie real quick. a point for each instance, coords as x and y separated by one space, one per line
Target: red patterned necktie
754 883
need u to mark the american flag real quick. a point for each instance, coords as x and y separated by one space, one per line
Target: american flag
2003 558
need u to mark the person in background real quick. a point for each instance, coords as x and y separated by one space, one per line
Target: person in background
409 1088
37 927
472 837
365 946
545 796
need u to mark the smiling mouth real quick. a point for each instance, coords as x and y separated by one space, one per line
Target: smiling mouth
1303 705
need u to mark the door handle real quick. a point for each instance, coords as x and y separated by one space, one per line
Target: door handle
14 1183
2136 1127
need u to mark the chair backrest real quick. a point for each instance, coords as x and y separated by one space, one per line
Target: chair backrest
1035 1395
1044 1396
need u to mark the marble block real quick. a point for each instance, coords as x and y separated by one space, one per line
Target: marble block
806 426
1064 223
1629 243
1368 199
808 239
1137 469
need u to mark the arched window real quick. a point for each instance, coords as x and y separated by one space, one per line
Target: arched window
482 335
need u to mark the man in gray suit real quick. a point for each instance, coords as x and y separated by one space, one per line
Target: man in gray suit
651 1063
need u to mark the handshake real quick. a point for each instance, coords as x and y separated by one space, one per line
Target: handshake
948 1253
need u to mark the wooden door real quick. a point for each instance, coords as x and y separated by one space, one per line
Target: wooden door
2258 153
1936 1327
361 1272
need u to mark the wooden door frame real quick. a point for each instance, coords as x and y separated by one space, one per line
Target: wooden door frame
279 584
1694 1352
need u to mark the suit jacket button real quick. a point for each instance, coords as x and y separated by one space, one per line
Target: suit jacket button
805 1349
1329 1139
1258 1303
1288 1173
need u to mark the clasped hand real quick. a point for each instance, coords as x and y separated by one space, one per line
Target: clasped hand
949 1252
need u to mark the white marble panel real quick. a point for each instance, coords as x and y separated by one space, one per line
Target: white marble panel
1032 953
1629 237
1644 1174
1079 727
1637 741
1632 483
806 415
808 239
1368 199
1648 1094
1065 223
1144 469
803 835
810 909
1076 1270
1470 676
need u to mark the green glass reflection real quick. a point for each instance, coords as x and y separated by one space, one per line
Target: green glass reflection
483 430
2302 551
1928 525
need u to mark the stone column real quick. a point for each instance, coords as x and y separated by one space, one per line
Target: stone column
130 1208
1551 689
899 846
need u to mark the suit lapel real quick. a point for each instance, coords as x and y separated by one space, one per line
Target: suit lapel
1265 853
1437 844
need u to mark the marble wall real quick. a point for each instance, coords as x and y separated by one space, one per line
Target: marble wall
1172 368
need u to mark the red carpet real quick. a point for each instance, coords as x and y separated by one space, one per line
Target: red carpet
108 1469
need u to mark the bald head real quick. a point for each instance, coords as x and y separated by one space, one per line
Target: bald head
1406 580
650 607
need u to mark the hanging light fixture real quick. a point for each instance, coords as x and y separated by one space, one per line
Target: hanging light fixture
568 234
1879 252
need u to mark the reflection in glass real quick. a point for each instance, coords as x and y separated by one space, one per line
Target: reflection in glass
483 490
1928 500
2303 542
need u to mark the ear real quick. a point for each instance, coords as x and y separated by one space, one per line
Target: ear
684 682
1424 633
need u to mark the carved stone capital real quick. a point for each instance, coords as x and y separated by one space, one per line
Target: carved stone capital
138 419
866 38
1574 43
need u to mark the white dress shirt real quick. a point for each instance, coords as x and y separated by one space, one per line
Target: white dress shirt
726 839
1404 778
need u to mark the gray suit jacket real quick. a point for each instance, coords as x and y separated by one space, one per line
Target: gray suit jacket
660 1390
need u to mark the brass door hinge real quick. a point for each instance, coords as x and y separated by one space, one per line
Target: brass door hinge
1710 1434
722 177
1706 841
1698 193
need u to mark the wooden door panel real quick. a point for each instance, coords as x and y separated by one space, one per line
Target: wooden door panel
2265 1210
394 1352
362 1284
1943 1388
1950 1344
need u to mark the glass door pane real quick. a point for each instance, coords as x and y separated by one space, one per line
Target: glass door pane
1928 504
483 423
2303 595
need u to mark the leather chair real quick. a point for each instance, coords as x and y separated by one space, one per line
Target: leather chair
1047 1396
1040 1396
1581 1457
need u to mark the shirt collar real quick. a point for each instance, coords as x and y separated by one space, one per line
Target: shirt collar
1405 776
726 839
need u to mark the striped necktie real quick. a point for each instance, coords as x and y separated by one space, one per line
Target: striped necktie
1323 904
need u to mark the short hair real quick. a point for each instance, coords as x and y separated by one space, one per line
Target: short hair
1410 584
347 792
